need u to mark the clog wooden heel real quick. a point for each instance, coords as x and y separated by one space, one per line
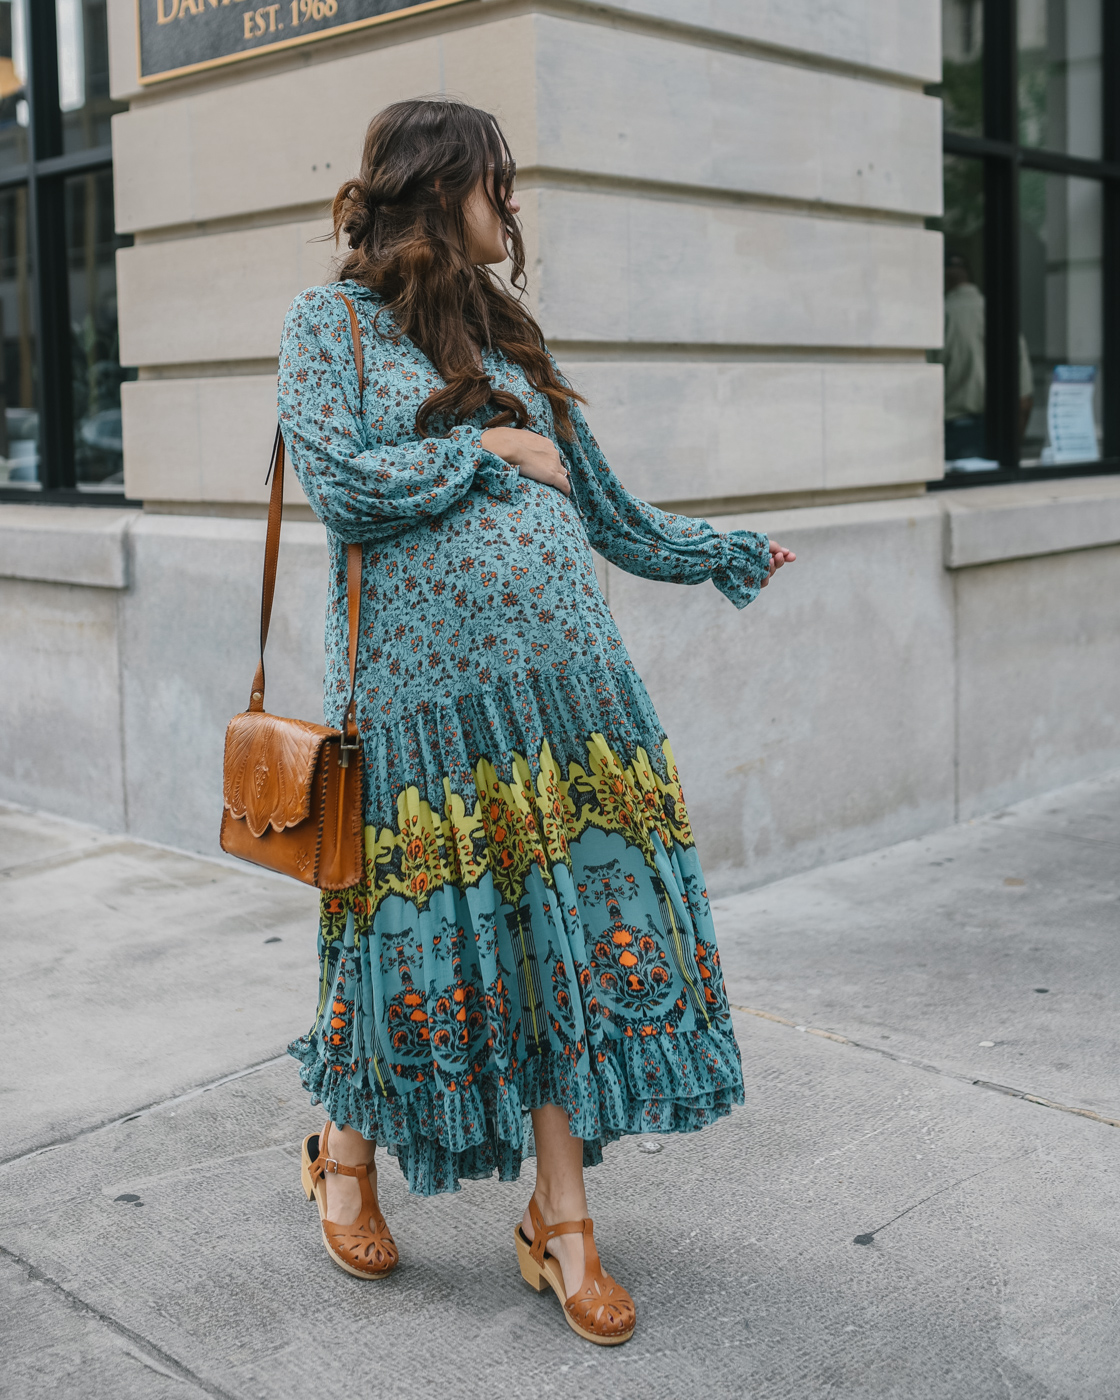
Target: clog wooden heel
600 1309
364 1248
530 1271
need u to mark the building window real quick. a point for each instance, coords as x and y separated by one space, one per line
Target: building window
60 373
1031 102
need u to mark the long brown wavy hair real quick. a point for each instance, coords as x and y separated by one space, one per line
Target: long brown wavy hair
404 224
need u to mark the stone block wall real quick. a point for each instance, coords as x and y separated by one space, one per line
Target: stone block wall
723 209
724 206
927 660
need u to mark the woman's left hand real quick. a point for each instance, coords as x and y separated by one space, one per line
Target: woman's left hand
779 555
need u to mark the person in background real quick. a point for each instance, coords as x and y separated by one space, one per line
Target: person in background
963 358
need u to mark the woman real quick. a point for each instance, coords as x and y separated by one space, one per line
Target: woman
533 934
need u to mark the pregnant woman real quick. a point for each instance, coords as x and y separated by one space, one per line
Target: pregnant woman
532 936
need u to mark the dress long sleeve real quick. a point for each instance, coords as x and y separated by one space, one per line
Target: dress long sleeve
653 543
361 488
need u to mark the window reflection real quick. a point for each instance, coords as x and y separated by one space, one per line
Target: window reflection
1061 314
1060 75
83 74
13 83
91 246
963 351
19 417
962 83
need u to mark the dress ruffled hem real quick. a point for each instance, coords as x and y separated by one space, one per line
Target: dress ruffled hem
442 1137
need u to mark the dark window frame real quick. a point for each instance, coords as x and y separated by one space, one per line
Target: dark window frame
999 150
44 176
1003 156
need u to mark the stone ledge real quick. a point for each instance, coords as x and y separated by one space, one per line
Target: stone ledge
982 525
989 524
85 545
236 529
88 545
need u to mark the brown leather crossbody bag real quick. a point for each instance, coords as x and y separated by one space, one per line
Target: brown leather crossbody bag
293 789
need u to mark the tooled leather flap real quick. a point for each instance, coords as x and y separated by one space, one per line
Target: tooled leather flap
269 766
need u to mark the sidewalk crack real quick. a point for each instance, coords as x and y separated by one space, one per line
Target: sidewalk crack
150 1354
869 1237
142 1112
900 1059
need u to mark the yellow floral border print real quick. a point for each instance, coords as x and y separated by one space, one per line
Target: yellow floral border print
517 825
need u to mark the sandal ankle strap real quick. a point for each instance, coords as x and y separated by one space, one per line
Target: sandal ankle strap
323 1164
340 1169
542 1233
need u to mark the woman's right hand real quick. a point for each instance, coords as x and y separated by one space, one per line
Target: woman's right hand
533 455
779 555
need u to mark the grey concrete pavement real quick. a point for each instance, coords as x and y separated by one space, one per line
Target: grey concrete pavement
132 972
1005 930
172 1254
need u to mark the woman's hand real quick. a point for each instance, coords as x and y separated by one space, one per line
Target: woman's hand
778 557
534 456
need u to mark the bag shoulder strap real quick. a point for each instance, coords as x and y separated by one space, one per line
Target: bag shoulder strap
272 550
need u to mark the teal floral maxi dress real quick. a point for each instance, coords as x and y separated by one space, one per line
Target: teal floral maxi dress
533 925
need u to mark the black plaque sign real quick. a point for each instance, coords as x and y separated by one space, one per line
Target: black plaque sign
183 36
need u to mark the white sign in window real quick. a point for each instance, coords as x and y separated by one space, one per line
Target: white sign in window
1069 416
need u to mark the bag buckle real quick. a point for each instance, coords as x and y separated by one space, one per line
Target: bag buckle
346 749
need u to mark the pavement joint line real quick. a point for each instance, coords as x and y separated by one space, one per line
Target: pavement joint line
124 840
142 1183
155 1355
1070 835
31 867
898 1058
128 1117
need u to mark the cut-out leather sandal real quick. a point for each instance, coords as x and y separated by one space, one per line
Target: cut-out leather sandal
600 1309
364 1248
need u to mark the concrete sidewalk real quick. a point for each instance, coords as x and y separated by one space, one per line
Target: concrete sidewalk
919 1200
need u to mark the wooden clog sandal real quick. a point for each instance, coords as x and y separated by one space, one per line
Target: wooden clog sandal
364 1248
600 1309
